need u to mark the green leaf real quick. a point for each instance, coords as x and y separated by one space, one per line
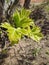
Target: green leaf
21 19
36 37
36 34
24 13
36 29
16 18
25 22
13 34
6 25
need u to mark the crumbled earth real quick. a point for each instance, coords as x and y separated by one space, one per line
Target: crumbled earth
27 51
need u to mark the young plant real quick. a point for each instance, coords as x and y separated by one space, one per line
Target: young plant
24 26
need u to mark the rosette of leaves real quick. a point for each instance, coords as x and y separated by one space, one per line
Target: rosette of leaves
24 26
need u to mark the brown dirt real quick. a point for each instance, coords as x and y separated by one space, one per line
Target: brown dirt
28 52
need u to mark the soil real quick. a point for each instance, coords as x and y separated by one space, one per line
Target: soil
27 51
